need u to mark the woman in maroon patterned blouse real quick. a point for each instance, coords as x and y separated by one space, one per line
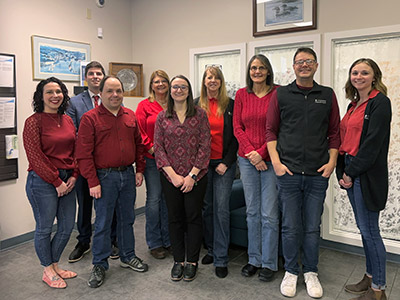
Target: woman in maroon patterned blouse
182 150
49 142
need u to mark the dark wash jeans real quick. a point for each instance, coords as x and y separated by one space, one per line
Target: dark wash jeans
301 200
216 212
118 192
157 234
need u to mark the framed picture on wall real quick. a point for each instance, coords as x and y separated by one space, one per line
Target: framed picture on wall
131 76
231 59
58 58
281 16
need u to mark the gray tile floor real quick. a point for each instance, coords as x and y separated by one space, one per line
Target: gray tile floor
20 277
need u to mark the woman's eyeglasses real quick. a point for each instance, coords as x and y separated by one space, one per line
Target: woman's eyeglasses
182 87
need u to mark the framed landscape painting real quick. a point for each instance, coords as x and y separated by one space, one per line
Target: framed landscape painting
58 58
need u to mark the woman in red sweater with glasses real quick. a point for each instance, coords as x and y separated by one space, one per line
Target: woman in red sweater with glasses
257 174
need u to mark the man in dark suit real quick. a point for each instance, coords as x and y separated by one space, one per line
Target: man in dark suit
80 104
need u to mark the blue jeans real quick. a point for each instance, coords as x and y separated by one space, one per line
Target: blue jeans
368 224
47 206
118 192
301 200
262 214
157 234
216 212
85 206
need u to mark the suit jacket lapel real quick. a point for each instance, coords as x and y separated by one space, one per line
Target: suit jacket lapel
87 101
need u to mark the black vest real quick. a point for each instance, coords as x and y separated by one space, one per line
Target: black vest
304 121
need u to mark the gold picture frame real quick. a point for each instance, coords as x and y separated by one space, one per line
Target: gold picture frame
131 76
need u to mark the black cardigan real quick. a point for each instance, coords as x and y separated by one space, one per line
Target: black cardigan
230 144
370 163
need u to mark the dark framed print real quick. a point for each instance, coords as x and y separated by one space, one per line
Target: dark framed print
282 16
131 76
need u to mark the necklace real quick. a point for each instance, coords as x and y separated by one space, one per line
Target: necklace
58 120
162 104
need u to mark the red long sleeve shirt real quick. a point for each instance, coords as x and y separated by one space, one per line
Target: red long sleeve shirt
351 127
249 117
49 142
217 130
146 114
108 141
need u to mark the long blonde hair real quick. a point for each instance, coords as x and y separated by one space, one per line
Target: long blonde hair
222 98
161 74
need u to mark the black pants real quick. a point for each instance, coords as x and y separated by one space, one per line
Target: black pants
185 216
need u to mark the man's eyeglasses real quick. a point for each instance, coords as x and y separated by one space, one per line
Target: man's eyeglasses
309 62
182 87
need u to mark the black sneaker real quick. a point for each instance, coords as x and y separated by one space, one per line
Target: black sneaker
114 251
207 259
249 270
97 276
189 273
221 272
177 271
266 274
78 253
135 264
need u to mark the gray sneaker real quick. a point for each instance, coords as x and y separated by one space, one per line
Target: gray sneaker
97 276
135 264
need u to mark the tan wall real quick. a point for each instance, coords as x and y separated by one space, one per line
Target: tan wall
164 31
59 19
157 33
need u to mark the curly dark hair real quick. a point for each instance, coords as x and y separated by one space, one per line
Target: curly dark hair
38 104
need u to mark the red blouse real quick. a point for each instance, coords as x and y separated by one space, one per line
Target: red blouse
351 127
217 129
49 142
146 114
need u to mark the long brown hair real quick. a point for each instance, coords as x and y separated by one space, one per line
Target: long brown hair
190 109
377 84
270 78
223 99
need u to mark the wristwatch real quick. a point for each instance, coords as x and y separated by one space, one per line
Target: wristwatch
194 176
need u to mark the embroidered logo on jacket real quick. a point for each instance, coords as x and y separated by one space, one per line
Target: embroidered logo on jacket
320 101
